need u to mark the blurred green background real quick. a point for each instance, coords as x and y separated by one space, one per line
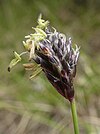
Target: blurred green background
34 107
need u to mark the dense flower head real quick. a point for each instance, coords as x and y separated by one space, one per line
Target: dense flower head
51 52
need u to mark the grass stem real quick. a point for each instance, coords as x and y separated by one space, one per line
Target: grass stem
74 116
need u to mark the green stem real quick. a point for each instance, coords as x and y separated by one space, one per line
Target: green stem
74 116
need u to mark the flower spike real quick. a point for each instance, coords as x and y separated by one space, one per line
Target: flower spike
52 53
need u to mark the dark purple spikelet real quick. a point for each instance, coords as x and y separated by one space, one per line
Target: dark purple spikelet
58 61
54 55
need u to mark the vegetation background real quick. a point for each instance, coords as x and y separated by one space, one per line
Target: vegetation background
34 107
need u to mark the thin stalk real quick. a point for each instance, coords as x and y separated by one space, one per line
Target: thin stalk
74 116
